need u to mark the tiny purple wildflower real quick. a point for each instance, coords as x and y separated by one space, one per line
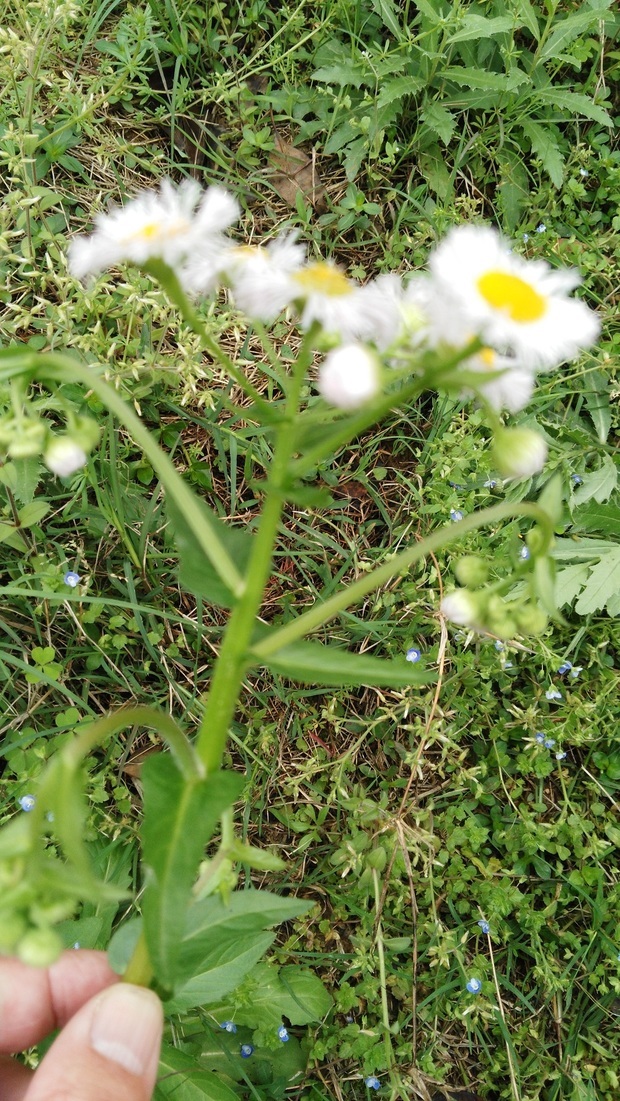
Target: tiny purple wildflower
549 743
283 1034
71 578
456 514
565 667
541 228
553 694
540 738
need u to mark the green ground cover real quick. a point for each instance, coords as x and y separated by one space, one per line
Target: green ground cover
440 839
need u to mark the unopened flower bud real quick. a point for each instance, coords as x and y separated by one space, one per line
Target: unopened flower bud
519 452
471 570
349 376
27 440
460 607
63 456
499 618
84 431
531 620
39 947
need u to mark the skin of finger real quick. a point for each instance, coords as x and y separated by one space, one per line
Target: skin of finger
35 1001
14 1079
72 1071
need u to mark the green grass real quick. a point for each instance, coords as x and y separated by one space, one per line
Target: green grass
407 817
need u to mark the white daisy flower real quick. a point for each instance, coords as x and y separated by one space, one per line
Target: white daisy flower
512 303
168 225
511 389
349 376
327 296
261 277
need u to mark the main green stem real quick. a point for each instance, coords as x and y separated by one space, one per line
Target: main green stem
233 657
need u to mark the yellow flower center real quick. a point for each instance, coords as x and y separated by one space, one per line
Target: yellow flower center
323 278
159 231
487 358
512 295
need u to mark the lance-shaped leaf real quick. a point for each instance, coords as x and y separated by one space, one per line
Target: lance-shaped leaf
196 572
179 819
315 663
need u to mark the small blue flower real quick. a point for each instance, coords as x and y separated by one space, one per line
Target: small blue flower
584 172
549 743
27 802
565 667
560 756
576 671
490 483
541 228
576 479
456 514
524 553
484 925
553 694
228 1026
474 986
499 645
540 738
618 956
372 1083
71 579
508 665
283 1034
413 654
76 945
456 485
246 1050
526 236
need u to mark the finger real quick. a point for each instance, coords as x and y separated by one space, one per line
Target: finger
34 1001
14 1079
109 1050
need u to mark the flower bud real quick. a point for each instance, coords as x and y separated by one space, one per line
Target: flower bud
27 440
500 619
471 570
519 452
84 431
531 620
461 607
349 376
63 456
39 947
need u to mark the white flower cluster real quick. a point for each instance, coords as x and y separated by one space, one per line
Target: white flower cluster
475 288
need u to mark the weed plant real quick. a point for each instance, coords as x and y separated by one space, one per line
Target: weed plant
463 832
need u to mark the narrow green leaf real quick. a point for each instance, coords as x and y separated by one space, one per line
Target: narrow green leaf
246 912
398 88
597 401
551 500
439 120
179 819
487 81
544 584
181 1078
581 549
526 13
545 146
513 191
314 663
602 585
196 573
475 27
387 12
566 31
574 103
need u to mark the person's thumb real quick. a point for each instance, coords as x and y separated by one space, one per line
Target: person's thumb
107 1052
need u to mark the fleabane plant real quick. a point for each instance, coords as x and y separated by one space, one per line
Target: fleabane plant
481 323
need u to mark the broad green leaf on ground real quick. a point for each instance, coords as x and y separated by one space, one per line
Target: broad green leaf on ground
597 401
487 81
398 88
569 583
602 586
314 663
545 147
598 484
581 550
217 969
270 994
574 103
182 1079
246 912
513 191
22 477
179 819
196 572
603 518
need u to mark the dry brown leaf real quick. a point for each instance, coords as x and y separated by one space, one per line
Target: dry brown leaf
293 173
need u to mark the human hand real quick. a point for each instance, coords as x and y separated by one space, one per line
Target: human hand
108 1049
